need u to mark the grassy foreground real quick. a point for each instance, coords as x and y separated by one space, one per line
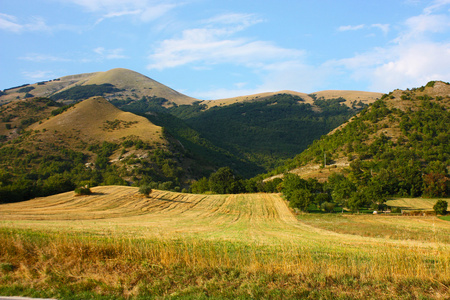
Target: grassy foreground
117 244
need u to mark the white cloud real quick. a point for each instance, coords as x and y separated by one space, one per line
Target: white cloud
215 44
12 24
145 10
410 60
110 53
38 75
36 57
437 4
383 27
350 27
9 23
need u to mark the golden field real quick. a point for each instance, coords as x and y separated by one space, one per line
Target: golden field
117 243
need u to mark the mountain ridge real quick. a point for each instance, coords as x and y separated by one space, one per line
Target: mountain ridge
134 85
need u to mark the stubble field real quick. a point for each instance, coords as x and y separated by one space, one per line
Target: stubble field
117 243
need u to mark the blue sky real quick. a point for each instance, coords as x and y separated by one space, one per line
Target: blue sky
211 49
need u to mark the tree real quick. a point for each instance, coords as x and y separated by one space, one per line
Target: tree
223 181
145 189
292 183
200 186
83 190
440 207
343 189
300 199
436 185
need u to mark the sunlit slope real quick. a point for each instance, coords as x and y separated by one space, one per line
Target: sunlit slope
135 84
255 218
97 120
349 96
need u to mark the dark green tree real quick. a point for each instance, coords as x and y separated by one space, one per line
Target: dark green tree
440 207
301 199
145 189
223 181
200 186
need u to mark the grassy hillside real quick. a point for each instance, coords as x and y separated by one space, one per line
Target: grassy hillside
96 120
399 146
119 244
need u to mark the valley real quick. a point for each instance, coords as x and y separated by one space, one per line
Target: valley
329 195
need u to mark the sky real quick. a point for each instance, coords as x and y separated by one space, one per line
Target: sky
212 49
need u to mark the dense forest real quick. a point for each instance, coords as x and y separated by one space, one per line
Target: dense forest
261 132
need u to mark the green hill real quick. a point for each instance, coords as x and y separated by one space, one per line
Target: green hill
399 146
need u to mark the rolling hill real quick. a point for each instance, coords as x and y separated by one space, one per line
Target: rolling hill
397 146
95 120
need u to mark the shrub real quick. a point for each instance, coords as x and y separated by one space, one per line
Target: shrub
145 190
84 190
327 207
440 207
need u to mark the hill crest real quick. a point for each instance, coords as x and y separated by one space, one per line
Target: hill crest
349 96
132 85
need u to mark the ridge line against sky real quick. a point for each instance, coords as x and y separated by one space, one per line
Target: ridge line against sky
217 49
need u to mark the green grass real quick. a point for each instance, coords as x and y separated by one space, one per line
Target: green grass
424 229
446 218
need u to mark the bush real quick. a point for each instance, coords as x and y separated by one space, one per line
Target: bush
84 190
441 207
327 207
145 190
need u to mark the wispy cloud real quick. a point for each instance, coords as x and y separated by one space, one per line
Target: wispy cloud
409 60
110 53
12 24
36 57
144 10
383 27
38 75
216 43
351 27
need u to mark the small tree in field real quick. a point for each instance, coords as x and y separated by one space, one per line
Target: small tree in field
83 190
440 207
145 189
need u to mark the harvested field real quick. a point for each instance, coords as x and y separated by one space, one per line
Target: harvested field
121 244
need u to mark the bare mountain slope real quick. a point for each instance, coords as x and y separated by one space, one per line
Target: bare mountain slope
131 84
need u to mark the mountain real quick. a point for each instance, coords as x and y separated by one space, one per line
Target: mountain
121 84
349 96
400 144
252 133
